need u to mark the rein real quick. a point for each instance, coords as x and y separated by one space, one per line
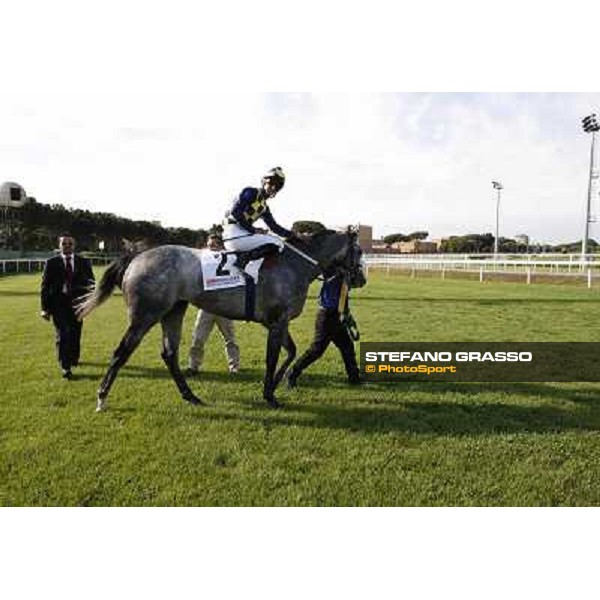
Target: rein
310 259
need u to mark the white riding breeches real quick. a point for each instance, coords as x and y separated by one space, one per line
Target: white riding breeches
237 239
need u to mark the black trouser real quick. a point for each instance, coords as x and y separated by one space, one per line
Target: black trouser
68 332
328 328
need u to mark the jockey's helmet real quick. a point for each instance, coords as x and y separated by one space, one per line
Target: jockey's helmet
277 176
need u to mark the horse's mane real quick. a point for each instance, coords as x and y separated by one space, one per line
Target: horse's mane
321 233
301 237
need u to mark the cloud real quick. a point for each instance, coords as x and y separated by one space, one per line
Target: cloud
400 162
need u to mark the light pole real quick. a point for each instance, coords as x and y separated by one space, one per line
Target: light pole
590 125
498 187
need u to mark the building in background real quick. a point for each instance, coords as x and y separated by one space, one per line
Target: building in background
365 237
416 247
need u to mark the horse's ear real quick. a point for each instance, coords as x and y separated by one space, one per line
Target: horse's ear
352 231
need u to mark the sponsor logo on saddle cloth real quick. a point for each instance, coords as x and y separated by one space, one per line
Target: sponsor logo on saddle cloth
218 271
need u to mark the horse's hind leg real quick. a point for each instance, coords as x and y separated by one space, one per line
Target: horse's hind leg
171 326
290 346
130 341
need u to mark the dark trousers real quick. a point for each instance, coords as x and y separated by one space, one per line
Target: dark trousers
68 332
329 329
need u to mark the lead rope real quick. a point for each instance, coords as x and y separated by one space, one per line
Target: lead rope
346 317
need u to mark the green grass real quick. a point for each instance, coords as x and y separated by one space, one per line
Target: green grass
384 444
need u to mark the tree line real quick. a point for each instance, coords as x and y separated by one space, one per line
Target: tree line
400 237
483 243
36 226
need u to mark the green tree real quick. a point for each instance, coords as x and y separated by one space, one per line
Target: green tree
41 224
308 227
474 243
394 237
417 235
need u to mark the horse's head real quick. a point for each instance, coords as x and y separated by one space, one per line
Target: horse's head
352 265
338 253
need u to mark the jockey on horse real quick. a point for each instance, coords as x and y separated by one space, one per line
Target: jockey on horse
240 235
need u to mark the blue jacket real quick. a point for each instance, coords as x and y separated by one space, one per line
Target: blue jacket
250 206
329 296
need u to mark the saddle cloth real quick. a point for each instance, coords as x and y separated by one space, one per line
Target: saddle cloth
218 271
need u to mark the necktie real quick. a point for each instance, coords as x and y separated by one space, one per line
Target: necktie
69 278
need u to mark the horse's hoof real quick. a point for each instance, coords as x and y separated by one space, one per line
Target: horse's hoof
101 405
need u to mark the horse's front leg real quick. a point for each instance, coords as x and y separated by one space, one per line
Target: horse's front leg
277 334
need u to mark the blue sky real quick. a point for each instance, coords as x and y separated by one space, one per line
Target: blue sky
397 161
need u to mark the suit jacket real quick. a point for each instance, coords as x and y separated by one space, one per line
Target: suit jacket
54 278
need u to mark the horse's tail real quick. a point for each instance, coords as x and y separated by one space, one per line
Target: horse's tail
113 276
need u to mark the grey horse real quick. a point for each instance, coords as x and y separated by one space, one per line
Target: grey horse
158 284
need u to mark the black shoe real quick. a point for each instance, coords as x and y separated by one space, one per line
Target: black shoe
67 374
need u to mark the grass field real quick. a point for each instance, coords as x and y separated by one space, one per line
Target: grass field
382 444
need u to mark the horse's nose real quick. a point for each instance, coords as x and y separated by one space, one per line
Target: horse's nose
360 280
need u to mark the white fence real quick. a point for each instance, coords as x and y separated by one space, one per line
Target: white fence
30 265
530 267
526 268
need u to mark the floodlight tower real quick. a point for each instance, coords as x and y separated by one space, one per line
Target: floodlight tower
498 187
590 125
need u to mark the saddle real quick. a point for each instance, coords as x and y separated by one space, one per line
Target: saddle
269 252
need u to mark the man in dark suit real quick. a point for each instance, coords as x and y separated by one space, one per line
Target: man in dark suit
66 278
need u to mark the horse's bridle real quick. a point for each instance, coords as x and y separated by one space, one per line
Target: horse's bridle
349 265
